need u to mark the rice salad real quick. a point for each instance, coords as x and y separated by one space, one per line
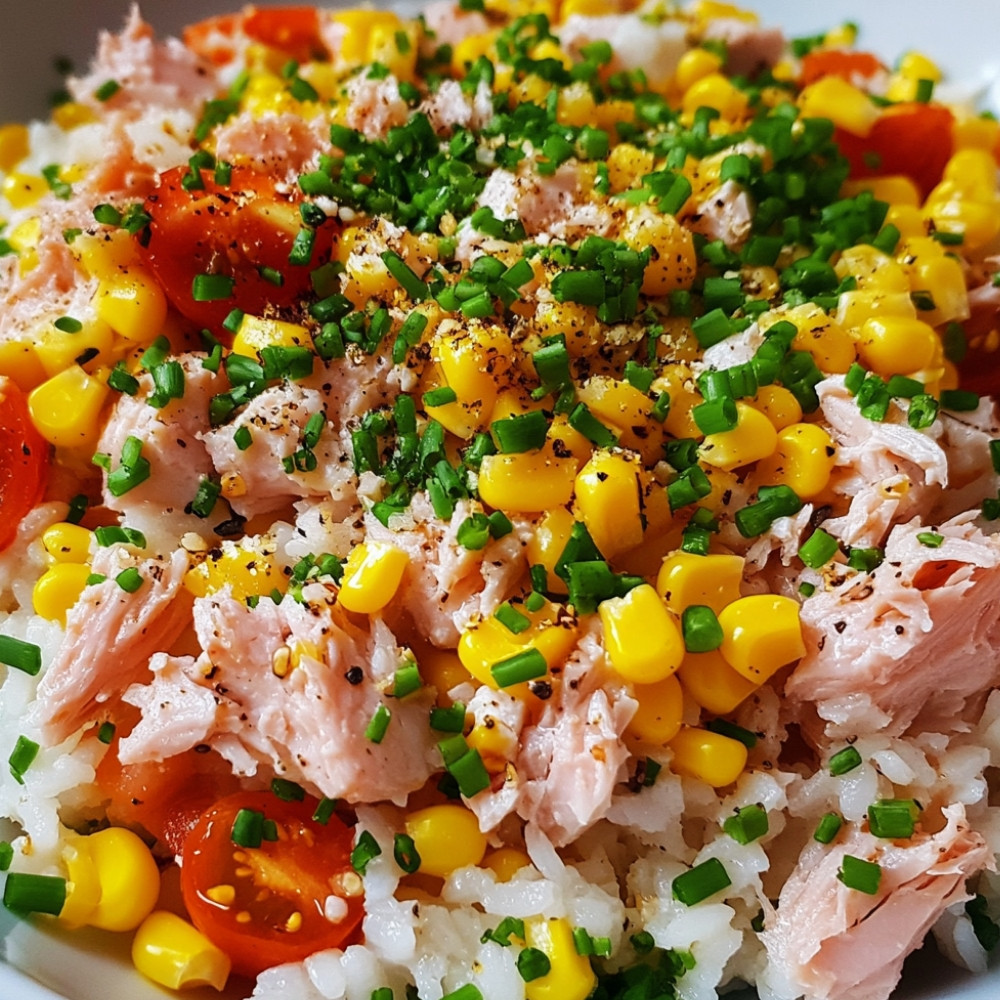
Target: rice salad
502 503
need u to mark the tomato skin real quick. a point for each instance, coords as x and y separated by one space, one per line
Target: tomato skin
24 461
291 30
280 885
233 230
834 62
911 139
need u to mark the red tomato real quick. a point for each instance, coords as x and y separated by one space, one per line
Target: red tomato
24 461
292 30
834 62
242 231
911 139
279 890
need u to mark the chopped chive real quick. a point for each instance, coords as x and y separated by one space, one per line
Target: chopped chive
701 629
893 818
582 420
959 400
376 729
120 380
467 992
271 275
441 396
856 873
507 928
734 732
700 882
287 791
931 539
511 618
130 580
715 416
302 248
448 720
21 757
405 853
520 433
205 498
365 850
406 680
107 90
28 893
465 765
6 855
106 732
524 666
324 811
243 438
474 532
748 824
818 549
843 761
211 287
21 655
67 324
407 278
828 828
532 964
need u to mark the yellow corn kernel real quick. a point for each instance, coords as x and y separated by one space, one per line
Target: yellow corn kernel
446 837
106 255
641 637
661 707
257 332
855 307
83 888
488 642
973 172
548 542
908 219
712 10
372 575
891 345
714 90
58 350
527 481
19 362
713 683
563 438
469 49
170 951
359 23
844 104
14 145
495 741
713 580
577 322
779 405
761 634
694 65
917 66
506 862
443 670
607 501
66 407
976 133
676 381
23 190
831 346
129 877
627 164
752 439
26 236
760 281
803 460
586 8
896 189
872 269
609 114
576 105
65 542
626 410
710 757
132 303
72 114
246 570
976 220
384 48
570 976
943 278
674 262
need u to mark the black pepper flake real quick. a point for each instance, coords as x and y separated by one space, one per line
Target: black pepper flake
541 689
355 676
840 626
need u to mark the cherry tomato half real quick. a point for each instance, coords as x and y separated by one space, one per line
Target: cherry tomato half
292 30
24 461
835 62
241 232
275 903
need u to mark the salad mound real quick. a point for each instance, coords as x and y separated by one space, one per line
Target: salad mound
502 504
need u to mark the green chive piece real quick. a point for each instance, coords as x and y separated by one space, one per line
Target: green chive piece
324 810
287 791
27 893
511 618
405 853
130 580
524 432
365 850
6 855
22 757
211 287
106 732
931 539
406 680
67 324
243 438
700 882
532 964
524 666
467 992
893 818
843 761
107 90
403 273
726 728
441 396
701 629
448 720
507 928
248 828
474 532
465 765
959 400
828 828
856 873
748 824
818 549
376 729
21 655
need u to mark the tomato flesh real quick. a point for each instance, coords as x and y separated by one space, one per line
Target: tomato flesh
268 905
834 62
24 461
242 231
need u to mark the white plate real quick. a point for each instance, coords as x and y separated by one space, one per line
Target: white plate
960 35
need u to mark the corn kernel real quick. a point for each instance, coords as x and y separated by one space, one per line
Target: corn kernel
891 345
658 718
830 345
446 837
570 976
943 278
908 219
129 877
844 104
170 951
527 481
761 634
919 67
65 408
803 460
372 575
975 220
626 165
105 256
872 269
23 190
674 262
576 105
58 350
976 133
974 173
607 501
694 65
248 571
442 670
714 90
686 579
642 639
564 438
752 439
710 757
133 304
83 888
779 405
506 862
495 741
896 189
14 145
713 683
72 114
65 542
626 411
855 308
547 543
256 332
19 362
677 382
